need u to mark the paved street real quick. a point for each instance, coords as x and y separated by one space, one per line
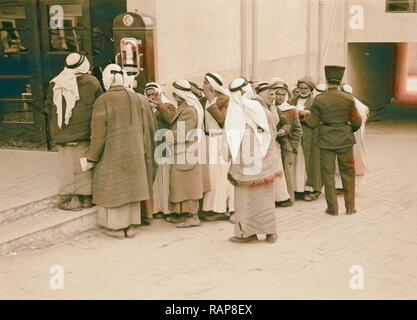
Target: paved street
312 259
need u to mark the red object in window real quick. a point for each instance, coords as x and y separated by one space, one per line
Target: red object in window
406 75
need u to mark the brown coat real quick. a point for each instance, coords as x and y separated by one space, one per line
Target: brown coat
293 130
122 131
187 181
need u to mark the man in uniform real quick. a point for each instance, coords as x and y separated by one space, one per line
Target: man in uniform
335 113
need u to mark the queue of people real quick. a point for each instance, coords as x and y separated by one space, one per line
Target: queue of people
211 152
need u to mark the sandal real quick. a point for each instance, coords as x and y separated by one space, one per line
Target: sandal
132 231
251 239
190 222
271 238
116 234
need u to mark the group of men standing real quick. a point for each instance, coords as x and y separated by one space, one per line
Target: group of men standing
257 145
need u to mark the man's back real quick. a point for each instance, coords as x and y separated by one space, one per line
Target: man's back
336 114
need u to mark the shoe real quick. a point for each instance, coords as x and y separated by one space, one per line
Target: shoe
351 212
174 219
307 197
116 234
251 239
158 215
271 238
339 192
132 231
88 202
190 222
145 222
284 204
216 217
315 195
73 205
332 212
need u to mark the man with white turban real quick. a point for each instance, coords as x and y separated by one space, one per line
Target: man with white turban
188 181
359 154
220 199
158 100
69 105
121 149
250 133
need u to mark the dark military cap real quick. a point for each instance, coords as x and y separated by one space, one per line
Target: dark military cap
334 73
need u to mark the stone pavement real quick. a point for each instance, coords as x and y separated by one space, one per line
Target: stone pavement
26 176
312 259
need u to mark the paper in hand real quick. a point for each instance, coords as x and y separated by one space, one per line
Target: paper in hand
85 165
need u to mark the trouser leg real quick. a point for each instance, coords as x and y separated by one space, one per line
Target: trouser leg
328 167
346 164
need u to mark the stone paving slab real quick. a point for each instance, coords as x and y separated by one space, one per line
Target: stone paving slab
26 176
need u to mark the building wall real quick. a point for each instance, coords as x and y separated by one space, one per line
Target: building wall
197 36
380 26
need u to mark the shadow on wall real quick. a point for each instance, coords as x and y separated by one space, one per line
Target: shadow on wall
372 73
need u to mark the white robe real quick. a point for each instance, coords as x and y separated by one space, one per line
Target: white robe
221 197
300 166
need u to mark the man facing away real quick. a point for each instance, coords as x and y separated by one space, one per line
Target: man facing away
335 114
69 103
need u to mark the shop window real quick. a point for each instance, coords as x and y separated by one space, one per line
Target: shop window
68 37
12 21
401 6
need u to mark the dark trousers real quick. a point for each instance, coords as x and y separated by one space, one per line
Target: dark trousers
346 164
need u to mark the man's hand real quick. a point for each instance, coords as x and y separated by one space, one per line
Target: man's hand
281 133
209 94
304 113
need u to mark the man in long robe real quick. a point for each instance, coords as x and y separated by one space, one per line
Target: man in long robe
291 140
310 152
157 100
188 182
250 133
265 96
69 104
220 199
122 151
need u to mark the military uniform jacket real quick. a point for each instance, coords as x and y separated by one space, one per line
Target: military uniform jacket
335 114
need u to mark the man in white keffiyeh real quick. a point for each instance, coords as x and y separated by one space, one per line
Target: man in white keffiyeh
250 133
69 106
188 181
220 199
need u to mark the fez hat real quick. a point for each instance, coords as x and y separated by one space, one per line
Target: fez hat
308 81
334 73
